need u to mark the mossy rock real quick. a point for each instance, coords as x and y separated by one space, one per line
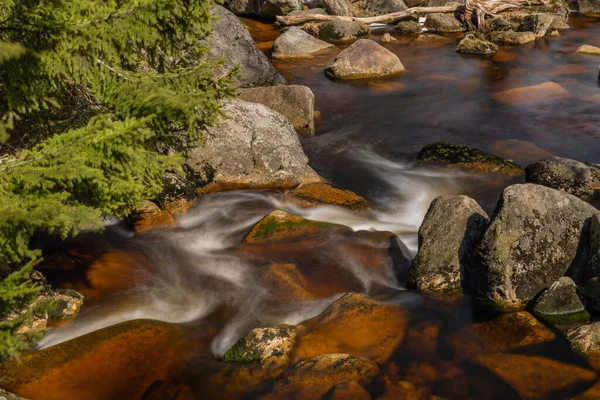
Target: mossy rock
560 304
269 345
280 225
314 194
409 26
466 158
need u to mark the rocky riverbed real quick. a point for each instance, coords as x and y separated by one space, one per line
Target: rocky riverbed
397 212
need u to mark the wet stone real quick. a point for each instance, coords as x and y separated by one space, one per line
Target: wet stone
410 26
544 93
560 304
314 194
269 345
585 339
472 44
343 30
296 43
443 22
364 59
569 176
539 24
511 37
587 49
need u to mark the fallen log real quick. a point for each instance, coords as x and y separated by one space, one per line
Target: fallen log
287 20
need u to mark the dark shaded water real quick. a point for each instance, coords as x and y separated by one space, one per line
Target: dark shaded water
197 275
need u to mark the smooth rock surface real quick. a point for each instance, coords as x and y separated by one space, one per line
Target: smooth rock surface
314 194
295 43
343 30
230 39
335 7
148 216
253 147
448 236
364 59
295 102
544 93
569 176
511 37
560 304
533 239
587 49
585 339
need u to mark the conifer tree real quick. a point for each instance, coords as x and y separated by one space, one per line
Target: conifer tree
92 93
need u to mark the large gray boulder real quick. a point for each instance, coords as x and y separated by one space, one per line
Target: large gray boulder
295 102
295 43
380 7
443 22
263 8
335 7
252 147
564 174
231 40
451 230
534 238
343 30
560 304
364 59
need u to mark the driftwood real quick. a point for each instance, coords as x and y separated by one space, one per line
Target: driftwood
478 8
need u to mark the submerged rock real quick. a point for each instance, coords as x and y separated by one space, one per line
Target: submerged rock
314 194
452 228
263 8
269 345
466 158
280 225
560 304
511 37
347 390
533 239
544 93
424 38
569 176
253 147
510 331
535 377
387 38
409 26
443 22
124 361
295 43
295 102
355 324
472 44
343 30
314 377
587 49
364 59
231 40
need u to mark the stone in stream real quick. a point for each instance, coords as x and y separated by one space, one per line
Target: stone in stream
279 225
534 238
560 304
364 59
295 43
231 40
343 30
538 23
587 49
570 176
126 361
321 193
335 7
466 158
585 339
508 332
535 377
511 37
379 7
310 11
148 216
452 228
355 324
295 102
409 26
263 8
544 93
473 44
4 395
347 390
591 8
312 378
443 22
252 147
430 38
269 345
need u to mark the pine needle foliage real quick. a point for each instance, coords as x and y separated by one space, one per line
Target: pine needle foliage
91 93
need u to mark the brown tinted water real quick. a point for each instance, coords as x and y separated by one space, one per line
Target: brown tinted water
208 289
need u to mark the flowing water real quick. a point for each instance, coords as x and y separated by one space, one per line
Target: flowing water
199 276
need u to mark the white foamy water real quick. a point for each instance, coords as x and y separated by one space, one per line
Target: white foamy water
189 272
